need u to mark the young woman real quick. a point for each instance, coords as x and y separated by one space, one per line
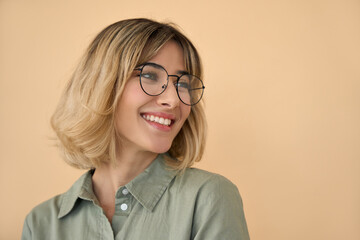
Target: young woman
132 114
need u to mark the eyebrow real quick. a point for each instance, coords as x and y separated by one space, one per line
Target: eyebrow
155 65
180 72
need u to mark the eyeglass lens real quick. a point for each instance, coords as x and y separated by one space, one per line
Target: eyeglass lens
154 80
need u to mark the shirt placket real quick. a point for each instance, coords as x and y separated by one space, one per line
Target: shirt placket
123 208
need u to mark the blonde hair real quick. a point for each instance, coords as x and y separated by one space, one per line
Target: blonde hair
84 118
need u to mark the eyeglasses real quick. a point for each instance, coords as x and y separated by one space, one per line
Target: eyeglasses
154 80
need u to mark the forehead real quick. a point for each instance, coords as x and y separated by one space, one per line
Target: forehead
170 56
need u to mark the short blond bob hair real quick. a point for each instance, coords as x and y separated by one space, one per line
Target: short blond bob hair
84 118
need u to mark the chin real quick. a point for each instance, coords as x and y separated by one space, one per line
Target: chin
161 148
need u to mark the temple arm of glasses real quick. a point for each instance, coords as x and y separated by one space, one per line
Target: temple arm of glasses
197 88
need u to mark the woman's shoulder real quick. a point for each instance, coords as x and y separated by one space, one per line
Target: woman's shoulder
200 176
206 183
47 209
58 205
215 200
42 215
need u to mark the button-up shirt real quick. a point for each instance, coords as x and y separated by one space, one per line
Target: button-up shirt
158 204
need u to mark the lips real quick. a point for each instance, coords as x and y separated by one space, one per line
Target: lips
160 118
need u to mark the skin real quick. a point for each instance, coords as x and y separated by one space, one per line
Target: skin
141 140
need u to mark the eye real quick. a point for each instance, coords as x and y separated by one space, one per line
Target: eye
184 83
183 86
149 76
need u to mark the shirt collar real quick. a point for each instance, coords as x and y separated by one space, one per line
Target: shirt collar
150 185
82 188
147 188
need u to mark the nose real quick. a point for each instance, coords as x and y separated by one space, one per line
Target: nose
169 98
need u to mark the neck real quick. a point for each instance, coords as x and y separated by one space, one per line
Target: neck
108 178
128 166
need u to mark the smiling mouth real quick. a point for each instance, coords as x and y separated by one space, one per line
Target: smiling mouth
157 119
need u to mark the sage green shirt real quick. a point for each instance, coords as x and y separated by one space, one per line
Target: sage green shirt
159 204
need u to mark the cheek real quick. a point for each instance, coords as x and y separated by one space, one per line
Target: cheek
185 112
127 106
132 97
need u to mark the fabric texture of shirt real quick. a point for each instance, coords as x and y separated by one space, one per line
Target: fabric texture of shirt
158 204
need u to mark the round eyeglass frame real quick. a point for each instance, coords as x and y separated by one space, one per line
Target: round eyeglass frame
164 87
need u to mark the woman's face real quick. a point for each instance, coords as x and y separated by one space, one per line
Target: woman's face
139 115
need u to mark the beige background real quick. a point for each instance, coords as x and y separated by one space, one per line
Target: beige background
283 103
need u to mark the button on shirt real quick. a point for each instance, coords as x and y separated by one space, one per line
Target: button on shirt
158 204
122 209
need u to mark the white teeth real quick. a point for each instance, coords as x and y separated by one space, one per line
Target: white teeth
161 120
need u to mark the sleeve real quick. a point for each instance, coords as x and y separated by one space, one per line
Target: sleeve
219 212
26 233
